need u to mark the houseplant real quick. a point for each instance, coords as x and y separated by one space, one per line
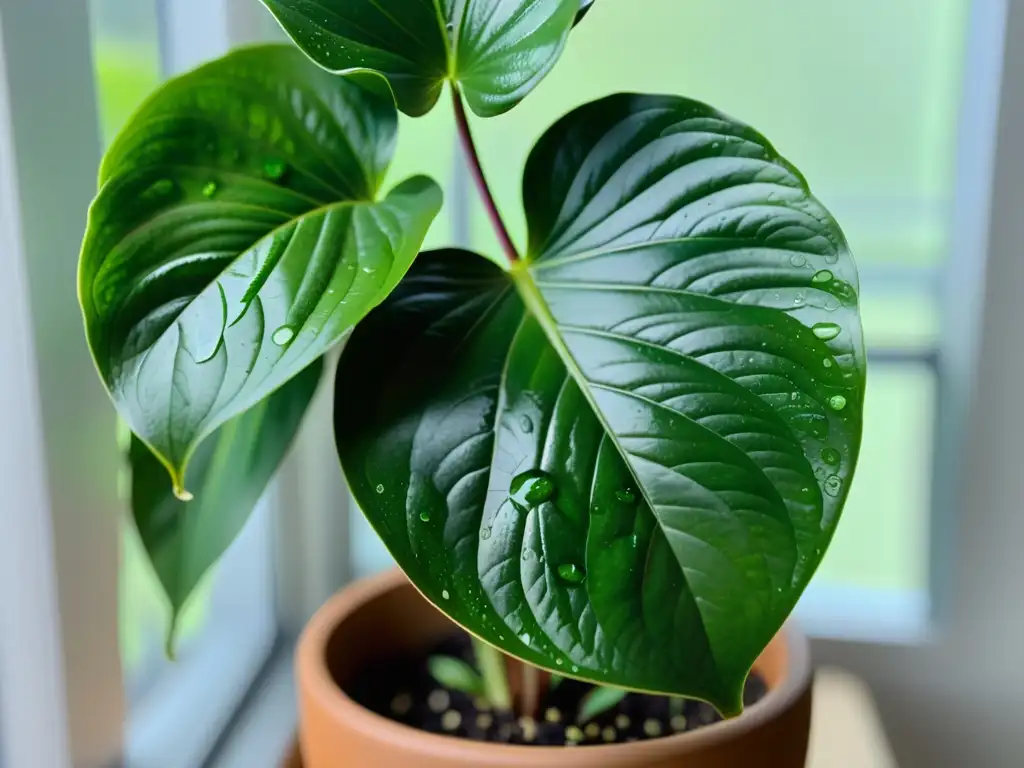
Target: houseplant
618 456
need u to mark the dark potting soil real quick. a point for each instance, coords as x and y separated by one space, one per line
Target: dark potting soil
403 690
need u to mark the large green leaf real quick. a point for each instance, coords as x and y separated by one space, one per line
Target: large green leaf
236 237
623 459
229 472
495 50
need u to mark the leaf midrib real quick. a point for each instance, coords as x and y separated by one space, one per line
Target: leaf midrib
537 306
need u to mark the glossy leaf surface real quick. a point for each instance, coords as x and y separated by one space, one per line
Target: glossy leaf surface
236 237
228 473
495 50
623 459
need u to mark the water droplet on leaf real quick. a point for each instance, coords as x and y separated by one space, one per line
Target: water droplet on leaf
831 456
626 496
380 488
532 488
837 402
485 534
210 189
444 594
798 260
822 276
283 335
826 331
827 362
833 484
425 517
526 424
571 573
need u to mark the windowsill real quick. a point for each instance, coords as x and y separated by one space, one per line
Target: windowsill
265 727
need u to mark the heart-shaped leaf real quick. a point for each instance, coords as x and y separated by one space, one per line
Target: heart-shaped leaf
623 459
229 472
495 50
236 237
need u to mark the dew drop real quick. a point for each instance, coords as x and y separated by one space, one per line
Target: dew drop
575 668
827 362
531 488
210 189
798 260
832 258
283 335
526 424
626 496
833 484
183 495
558 662
798 300
380 488
571 573
831 456
794 395
837 402
274 168
525 638
826 331
822 276
485 534
444 594
425 517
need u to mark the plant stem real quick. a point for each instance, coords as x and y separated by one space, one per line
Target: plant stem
530 699
491 662
477 171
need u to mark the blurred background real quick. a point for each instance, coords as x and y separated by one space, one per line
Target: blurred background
892 110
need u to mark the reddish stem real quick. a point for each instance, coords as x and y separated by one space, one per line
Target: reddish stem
477 171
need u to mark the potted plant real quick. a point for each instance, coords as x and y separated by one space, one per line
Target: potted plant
615 456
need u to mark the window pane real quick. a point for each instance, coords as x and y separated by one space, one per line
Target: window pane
882 540
126 56
178 709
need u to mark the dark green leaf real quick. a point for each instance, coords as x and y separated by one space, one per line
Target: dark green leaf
236 237
229 472
495 50
623 459
456 674
599 701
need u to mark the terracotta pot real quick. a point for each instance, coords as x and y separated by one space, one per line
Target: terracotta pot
385 615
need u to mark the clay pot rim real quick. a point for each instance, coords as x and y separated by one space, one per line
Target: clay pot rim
315 679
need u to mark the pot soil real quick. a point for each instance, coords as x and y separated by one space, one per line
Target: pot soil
366 699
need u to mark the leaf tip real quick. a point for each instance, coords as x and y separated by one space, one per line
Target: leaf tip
181 493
